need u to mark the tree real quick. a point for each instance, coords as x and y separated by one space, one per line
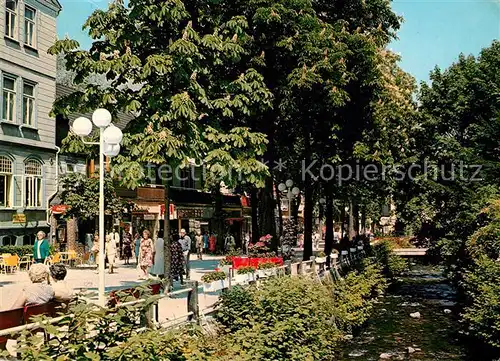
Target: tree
181 75
79 194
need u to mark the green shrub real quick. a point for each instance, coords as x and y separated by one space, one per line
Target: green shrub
245 270
393 265
482 287
19 250
213 276
284 319
266 265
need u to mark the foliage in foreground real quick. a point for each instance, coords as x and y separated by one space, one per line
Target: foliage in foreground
285 318
481 280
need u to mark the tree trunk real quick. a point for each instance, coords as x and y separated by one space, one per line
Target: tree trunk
167 260
351 231
280 216
363 220
219 219
308 221
329 224
356 218
267 206
342 220
255 225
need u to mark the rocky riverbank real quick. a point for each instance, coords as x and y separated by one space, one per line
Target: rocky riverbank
415 320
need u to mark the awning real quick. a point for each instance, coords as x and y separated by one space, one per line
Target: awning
59 209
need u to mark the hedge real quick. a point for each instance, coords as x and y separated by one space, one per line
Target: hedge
19 250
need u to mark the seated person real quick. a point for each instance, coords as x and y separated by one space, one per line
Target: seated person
39 291
62 293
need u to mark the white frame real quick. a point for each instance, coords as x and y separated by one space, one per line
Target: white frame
33 190
33 24
32 101
11 93
9 14
8 184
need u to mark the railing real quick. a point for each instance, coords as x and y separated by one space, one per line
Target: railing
193 311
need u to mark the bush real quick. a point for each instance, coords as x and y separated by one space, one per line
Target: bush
393 265
213 276
19 250
266 265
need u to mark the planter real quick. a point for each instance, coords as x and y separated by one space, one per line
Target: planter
320 260
270 272
353 250
244 278
344 253
226 269
360 248
214 286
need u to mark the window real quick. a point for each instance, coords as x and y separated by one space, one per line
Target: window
9 99
5 181
33 183
29 240
70 168
11 19
29 26
9 240
28 104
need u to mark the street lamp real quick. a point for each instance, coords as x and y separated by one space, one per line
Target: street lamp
286 188
109 145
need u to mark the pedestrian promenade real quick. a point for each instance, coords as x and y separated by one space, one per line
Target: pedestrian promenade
87 279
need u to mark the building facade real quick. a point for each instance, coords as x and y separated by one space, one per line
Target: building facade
28 154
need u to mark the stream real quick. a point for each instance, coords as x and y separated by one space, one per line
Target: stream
393 334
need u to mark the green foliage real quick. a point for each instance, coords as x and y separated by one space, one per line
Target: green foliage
393 265
81 194
266 265
213 276
19 250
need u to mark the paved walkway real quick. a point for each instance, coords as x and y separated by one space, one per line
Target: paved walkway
125 277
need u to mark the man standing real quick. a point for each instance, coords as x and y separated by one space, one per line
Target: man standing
185 242
41 249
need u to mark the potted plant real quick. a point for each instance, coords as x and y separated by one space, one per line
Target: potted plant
321 258
334 254
214 281
244 274
266 269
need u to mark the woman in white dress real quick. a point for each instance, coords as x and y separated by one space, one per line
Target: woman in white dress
111 251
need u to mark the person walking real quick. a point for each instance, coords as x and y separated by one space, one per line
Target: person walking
199 245
111 251
185 242
127 244
137 244
146 253
212 242
158 268
41 248
177 266
205 241
229 243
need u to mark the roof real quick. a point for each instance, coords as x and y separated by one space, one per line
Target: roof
64 90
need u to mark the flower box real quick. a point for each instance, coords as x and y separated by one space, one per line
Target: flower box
320 260
215 286
353 250
344 253
360 248
226 269
244 278
270 272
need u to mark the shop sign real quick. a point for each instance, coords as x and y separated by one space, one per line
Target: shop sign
19 218
149 217
194 213
59 208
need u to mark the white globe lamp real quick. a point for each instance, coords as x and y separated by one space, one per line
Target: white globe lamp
101 118
295 191
289 183
112 135
111 150
82 126
281 187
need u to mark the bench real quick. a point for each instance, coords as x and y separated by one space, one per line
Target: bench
115 296
22 316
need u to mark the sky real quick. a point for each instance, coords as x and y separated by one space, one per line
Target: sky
434 32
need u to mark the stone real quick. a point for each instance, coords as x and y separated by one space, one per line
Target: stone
385 356
447 311
410 350
415 315
357 353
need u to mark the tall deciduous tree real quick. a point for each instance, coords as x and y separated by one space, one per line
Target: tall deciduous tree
181 75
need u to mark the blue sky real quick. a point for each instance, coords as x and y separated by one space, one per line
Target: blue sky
434 31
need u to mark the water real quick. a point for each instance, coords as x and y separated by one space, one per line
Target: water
391 332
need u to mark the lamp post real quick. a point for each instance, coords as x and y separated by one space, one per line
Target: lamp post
109 145
286 189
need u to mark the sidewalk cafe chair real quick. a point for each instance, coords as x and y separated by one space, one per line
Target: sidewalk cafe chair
27 260
12 263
